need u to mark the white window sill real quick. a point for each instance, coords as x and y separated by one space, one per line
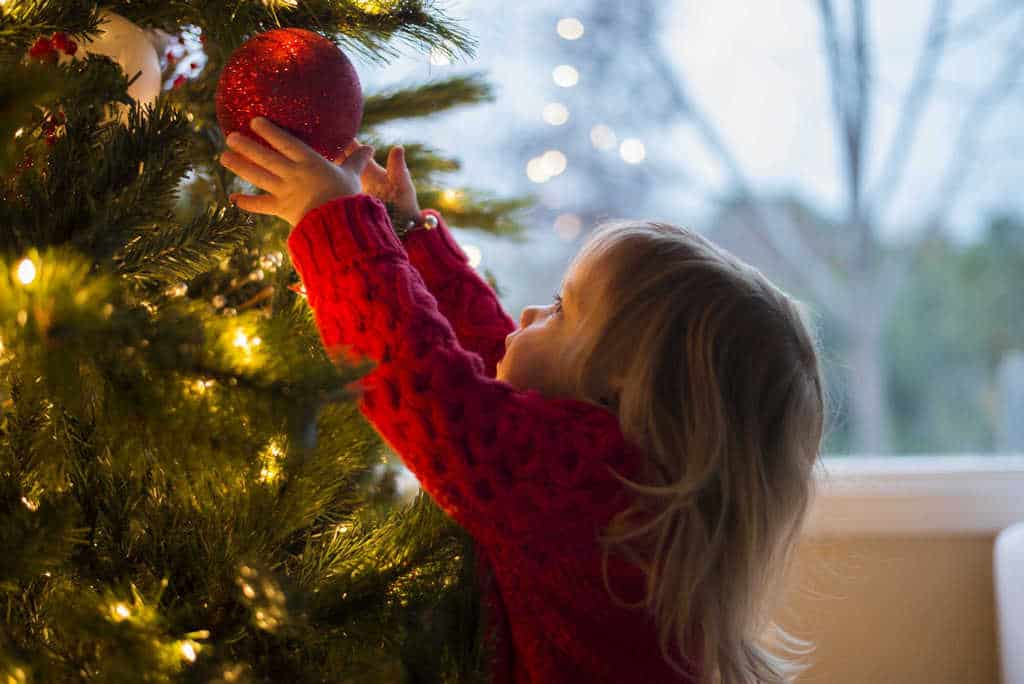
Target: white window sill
917 495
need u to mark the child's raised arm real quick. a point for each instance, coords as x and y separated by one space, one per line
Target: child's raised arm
505 464
469 303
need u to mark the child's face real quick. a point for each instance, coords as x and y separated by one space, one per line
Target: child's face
538 353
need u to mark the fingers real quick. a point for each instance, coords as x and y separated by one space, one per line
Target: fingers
257 204
350 148
252 172
267 158
357 161
396 163
283 141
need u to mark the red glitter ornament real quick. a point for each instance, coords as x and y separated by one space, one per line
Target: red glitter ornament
299 80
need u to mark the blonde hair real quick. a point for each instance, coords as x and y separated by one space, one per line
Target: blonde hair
715 376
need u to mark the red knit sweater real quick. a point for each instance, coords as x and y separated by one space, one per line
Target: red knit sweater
526 475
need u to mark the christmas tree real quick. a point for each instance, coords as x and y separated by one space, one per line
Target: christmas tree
187 487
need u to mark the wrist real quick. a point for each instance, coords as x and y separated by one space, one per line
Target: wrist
406 220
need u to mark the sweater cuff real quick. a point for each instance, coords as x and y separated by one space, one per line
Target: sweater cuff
435 253
342 230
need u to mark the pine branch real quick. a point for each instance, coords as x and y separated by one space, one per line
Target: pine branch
164 256
430 98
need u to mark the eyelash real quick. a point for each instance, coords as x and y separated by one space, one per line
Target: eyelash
558 303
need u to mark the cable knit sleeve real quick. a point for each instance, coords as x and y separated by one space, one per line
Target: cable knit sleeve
501 462
463 297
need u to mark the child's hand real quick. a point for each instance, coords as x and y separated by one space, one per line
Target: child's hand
393 184
297 177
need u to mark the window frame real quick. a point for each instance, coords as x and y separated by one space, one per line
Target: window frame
916 495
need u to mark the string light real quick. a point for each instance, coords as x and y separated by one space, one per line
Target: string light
120 612
372 6
451 199
188 650
565 75
632 151
272 261
178 290
26 271
569 28
555 113
271 457
243 341
30 504
21 131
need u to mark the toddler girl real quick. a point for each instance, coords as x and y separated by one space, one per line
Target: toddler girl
634 460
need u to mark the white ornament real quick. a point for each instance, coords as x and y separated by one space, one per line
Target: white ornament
128 45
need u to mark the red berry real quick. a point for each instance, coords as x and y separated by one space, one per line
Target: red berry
193 66
71 48
171 59
60 40
179 81
41 49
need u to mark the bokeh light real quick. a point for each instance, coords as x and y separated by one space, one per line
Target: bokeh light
570 28
632 151
602 137
556 113
565 75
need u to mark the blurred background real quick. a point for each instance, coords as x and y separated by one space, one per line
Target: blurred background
866 157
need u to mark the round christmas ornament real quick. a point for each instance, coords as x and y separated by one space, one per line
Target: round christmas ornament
128 45
299 80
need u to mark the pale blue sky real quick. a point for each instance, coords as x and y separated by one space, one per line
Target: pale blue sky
757 69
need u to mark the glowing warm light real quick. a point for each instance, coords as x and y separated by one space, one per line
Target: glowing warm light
451 199
370 6
568 226
29 504
632 151
241 339
26 271
271 457
569 28
554 162
555 113
602 137
21 131
179 290
188 651
565 76
536 171
121 612
474 254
